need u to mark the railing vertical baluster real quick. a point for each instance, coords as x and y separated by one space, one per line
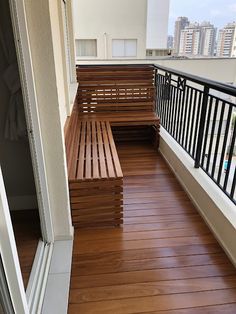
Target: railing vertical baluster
192 122
224 144
231 151
218 139
207 131
201 126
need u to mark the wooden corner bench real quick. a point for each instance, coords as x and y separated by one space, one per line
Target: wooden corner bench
108 97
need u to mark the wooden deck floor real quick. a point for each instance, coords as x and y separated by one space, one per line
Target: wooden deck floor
163 260
27 233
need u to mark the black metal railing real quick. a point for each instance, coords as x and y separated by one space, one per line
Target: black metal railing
200 115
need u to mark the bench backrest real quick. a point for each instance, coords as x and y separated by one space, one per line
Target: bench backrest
116 88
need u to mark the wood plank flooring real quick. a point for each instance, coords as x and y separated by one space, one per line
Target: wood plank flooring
163 260
27 233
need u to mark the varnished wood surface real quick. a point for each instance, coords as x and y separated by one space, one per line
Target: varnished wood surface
95 175
163 260
26 226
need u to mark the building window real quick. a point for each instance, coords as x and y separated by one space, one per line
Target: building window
86 47
149 53
124 48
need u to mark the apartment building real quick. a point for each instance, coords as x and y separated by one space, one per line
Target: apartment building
198 40
233 51
116 30
226 41
208 39
170 42
190 40
180 24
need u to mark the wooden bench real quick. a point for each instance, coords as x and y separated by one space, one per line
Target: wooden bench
120 97
95 175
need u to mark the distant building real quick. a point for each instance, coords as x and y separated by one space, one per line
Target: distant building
170 42
190 40
208 39
180 24
226 43
233 51
197 40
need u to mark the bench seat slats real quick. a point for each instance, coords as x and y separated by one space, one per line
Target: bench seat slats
97 156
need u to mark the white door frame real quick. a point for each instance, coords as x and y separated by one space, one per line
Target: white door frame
10 256
20 31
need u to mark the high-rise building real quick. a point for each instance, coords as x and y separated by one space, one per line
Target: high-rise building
190 40
208 38
197 40
170 42
225 43
233 51
180 24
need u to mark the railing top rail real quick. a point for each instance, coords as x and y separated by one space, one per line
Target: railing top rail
222 87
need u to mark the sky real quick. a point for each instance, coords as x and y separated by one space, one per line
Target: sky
218 12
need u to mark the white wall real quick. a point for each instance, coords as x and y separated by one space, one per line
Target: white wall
43 21
105 20
213 205
157 24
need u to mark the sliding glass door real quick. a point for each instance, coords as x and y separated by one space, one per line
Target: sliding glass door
11 277
6 306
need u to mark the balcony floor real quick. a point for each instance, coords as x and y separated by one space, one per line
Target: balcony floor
163 260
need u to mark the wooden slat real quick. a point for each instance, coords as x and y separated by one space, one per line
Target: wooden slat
80 170
147 289
102 161
88 161
110 166
114 152
95 152
164 302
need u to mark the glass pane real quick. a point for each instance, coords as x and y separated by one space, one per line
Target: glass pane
118 48
130 47
86 47
5 299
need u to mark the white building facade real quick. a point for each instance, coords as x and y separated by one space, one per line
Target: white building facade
110 29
